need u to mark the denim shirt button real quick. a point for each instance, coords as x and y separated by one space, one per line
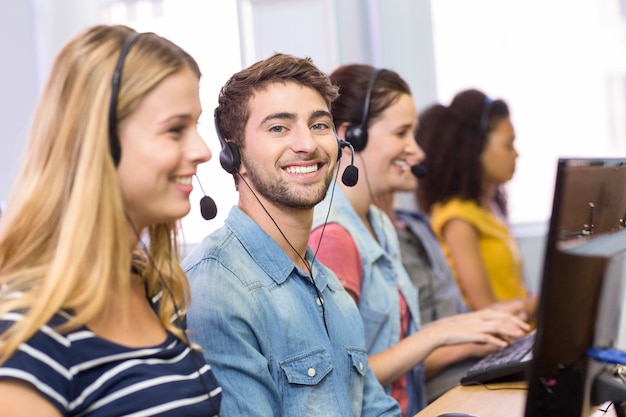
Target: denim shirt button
360 366
319 301
311 372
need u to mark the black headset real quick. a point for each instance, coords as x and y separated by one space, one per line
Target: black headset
356 134
114 140
230 158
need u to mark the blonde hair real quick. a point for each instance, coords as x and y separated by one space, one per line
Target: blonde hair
64 236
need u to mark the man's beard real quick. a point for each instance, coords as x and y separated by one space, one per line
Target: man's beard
284 194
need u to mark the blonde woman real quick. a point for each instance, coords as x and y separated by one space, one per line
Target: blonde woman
90 316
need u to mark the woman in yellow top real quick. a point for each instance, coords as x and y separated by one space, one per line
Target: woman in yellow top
471 154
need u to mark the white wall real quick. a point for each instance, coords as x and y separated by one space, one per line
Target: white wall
18 85
31 33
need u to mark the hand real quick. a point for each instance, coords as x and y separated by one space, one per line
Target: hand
524 308
515 307
530 306
487 326
480 350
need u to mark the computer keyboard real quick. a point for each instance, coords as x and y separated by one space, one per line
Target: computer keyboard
508 361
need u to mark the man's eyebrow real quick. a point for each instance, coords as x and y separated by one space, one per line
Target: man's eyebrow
291 116
279 116
320 113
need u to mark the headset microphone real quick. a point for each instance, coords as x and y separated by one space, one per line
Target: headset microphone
208 209
350 175
419 170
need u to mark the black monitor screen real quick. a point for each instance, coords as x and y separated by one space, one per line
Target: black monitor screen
585 249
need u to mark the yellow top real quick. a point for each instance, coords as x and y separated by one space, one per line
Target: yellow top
499 250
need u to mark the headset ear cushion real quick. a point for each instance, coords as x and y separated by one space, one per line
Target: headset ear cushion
339 150
357 136
230 158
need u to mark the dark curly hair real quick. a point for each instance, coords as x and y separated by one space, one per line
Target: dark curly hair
453 139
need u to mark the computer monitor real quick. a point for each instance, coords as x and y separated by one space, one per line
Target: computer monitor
582 286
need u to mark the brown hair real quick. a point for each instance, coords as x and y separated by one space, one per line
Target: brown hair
232 111
352 81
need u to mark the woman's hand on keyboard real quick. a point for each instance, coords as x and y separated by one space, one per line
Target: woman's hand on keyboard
487 326
524 308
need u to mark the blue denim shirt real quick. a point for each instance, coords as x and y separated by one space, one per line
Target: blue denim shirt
383 276
259 321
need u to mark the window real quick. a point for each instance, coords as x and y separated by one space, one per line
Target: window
554 63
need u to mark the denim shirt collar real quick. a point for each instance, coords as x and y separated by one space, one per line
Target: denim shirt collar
342 212
265 252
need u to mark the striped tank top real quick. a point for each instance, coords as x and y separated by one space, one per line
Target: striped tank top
82 374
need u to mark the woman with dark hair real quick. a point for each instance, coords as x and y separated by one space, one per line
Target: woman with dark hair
376 115
471 155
